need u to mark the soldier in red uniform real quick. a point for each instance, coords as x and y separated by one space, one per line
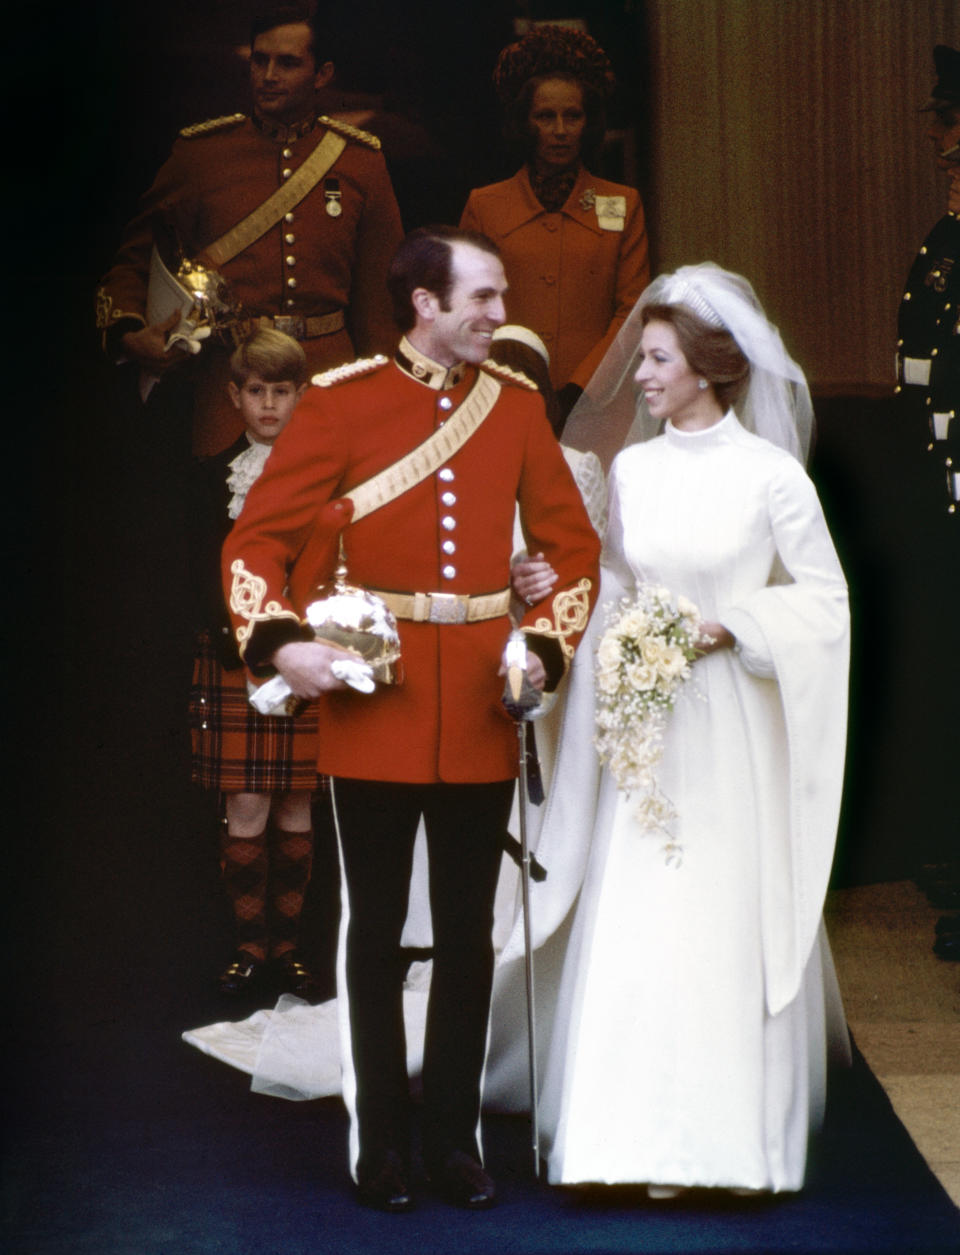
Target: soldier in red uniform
318 273
439 744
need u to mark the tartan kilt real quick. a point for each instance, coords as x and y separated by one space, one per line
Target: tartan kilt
237 750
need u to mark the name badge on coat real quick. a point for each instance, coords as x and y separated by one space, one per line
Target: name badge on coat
611 212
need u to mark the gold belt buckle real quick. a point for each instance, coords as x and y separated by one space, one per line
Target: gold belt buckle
294 325
448 608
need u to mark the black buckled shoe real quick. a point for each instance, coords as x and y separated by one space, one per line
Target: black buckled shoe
384 1186
294 977
463 1182
242 975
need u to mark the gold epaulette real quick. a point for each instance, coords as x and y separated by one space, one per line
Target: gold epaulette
349 370
507 375
212 124
351 132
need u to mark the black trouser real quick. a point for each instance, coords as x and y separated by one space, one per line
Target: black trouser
378 827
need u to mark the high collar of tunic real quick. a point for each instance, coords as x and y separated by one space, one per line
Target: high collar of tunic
425 370
704 438
281 131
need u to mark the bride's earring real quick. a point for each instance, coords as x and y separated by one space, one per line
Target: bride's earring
702 385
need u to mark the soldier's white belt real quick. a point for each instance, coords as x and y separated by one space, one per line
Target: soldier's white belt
446 607
293 325
916 370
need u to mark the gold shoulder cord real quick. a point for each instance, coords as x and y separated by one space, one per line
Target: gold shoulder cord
351 132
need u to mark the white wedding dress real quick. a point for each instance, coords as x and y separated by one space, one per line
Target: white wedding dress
689 1038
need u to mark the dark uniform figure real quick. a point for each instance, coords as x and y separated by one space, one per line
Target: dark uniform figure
928 348
317 274
928 361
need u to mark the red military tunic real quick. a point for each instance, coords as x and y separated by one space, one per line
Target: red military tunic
574 274
445 721
311 263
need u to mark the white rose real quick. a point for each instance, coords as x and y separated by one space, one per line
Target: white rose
687 609
672 662
641 675
608 655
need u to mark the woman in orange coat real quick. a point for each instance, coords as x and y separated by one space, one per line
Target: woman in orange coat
574 246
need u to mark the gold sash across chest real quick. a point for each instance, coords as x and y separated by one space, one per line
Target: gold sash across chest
274 207
430 455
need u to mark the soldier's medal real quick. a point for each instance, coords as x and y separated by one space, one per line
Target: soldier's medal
332 197
611 212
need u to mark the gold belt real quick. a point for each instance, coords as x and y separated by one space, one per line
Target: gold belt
294 325
446 607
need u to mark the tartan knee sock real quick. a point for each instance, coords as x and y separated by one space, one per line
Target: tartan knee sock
291 858
243 862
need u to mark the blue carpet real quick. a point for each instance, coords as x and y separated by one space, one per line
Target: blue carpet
147 1147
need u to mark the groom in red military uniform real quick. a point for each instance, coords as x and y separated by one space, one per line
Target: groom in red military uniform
438 745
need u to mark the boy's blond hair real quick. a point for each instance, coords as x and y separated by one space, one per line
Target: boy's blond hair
272 355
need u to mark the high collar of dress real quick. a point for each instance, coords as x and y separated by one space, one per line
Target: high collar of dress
702 437
425 370
281 131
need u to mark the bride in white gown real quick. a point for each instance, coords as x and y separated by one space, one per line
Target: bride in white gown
689 1040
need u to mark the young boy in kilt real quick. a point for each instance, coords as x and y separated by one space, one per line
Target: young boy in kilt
264 767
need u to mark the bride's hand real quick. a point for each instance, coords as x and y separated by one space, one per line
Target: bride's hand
532 579
714 636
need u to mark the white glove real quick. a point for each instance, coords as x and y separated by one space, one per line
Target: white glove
359 675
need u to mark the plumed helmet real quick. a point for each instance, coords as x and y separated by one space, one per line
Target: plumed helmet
213 302
354 619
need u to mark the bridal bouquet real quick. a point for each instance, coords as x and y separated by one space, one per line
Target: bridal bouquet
643 661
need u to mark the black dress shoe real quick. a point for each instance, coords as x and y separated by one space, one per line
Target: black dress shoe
463 1182
242 975
294 977
385 1185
